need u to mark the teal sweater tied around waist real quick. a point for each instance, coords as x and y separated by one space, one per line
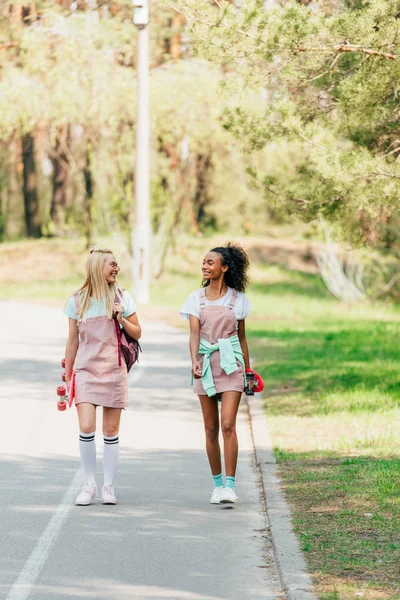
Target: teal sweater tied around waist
230 352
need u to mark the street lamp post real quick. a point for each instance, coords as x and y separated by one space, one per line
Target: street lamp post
141 232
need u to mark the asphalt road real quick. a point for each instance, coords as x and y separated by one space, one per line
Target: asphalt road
163 540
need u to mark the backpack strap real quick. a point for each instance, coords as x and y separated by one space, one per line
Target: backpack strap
118 334
233 299
118 299
202 298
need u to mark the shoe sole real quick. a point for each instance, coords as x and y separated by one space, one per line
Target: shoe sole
85 503
228 501
109 502
215 502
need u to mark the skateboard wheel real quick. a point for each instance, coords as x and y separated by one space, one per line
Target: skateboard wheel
63 376
63 363
61 405
258 385
61 390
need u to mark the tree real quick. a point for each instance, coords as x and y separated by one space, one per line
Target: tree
329 82
68 84
61 167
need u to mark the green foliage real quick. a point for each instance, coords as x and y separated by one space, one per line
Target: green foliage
328 77
69 73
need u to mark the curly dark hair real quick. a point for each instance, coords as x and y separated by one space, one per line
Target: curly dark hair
233 256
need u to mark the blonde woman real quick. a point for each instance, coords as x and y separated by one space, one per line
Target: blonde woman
101 379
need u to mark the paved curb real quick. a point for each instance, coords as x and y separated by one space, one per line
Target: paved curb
292 567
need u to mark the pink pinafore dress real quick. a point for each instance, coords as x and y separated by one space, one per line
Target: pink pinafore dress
98 377
218 322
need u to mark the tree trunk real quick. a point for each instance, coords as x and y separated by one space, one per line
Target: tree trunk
200 201
87 174
115 8
60 179
182 200
15 225
175 165
16 13
31 200
175 50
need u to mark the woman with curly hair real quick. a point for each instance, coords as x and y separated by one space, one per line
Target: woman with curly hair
219 353
101 378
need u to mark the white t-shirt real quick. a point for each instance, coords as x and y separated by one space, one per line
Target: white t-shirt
97 308
191 305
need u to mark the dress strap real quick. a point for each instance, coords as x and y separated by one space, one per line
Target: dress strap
202 298
233 299
119 295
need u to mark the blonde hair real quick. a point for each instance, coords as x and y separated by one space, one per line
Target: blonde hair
96 285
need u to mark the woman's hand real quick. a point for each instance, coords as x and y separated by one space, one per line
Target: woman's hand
196 369
117 312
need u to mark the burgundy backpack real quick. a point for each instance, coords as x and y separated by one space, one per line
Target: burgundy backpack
127 346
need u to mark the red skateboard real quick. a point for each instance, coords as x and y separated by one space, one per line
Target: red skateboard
63 397
254 383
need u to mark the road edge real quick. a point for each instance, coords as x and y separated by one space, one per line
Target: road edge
295 579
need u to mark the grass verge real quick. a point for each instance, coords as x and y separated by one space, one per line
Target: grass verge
333 406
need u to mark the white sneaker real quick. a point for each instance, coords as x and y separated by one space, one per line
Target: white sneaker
108 495
216 495
228 496
88 493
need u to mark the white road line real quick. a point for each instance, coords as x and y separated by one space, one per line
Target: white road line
31 570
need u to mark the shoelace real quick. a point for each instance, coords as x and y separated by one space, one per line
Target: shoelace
108 489
86 487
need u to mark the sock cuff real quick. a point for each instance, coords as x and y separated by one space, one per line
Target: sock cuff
114 439
86 437
230 482
218 480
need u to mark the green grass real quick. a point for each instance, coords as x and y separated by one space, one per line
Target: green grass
346 514
333 404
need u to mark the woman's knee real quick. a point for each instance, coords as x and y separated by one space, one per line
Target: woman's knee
87 417
111 420
228 428
212 431
110 431
87 426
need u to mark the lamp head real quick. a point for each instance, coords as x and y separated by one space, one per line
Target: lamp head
140 12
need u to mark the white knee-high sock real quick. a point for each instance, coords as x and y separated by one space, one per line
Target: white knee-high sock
110 458
87 449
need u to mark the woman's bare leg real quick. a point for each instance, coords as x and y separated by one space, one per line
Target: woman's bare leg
209 407
230 405
111 419
86 417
